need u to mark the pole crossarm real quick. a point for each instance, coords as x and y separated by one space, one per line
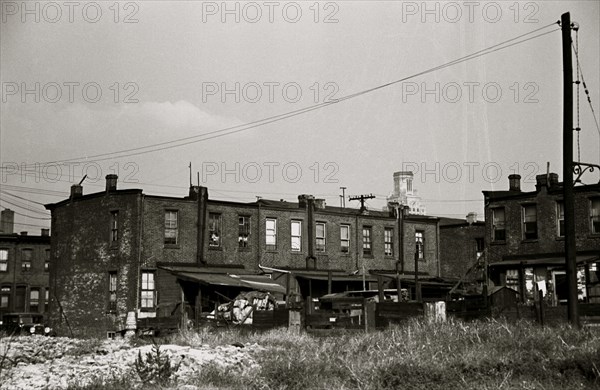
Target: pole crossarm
580 168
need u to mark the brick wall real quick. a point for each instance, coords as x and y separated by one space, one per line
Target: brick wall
458 248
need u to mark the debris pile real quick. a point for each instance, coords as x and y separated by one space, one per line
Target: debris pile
239 311
37 362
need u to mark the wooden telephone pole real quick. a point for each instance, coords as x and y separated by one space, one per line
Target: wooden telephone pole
569 199
362 199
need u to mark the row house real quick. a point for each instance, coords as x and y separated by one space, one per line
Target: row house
525 239
462 244
121 251
24 269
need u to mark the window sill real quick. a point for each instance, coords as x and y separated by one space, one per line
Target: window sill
215 248
148 310
172 246
368 256
498 242
244 249
529 240
560 238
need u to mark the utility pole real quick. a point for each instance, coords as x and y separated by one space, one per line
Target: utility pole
569 199
343 200
362 199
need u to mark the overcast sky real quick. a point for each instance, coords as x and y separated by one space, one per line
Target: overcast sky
112 77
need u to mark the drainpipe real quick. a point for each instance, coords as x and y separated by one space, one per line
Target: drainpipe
258 248
310 216
202 206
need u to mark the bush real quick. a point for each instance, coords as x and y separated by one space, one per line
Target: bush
156 368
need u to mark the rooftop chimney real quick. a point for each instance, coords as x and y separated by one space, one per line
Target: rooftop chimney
7 221
304 199
541 181
76 191
320 204
24 233
111 182
553 180
472 217
45 232
514 182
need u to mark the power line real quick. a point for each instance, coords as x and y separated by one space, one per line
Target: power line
20 206
250 125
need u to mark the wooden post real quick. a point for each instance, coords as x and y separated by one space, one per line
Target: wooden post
329 282
541 301
569 197
380 289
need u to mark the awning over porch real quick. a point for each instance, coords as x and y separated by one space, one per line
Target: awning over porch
544 261
251 282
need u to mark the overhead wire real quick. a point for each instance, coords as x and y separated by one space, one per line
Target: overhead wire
276 118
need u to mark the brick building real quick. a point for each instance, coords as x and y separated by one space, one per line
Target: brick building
119 251
24 266
525 239
461 246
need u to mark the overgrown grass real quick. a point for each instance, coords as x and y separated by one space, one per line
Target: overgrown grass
416 355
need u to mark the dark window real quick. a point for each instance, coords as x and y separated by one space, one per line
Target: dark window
171 224
112 291
420 245
148 291
47 260
389 241
214 230
479 245
114 226
498 225
4 297
595 216
244 232
3 260
345 238
530 222
367 250
320 236
46 298
26 256
34 300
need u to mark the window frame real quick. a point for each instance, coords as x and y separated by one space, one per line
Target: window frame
215 224
34 304
420 244
4 261
320 240
529 228
367 245
114 226
174 230
498 226
5 294
243 231
345 240
148 294
560 218
296 239
26 261
112 291
271 233
388 242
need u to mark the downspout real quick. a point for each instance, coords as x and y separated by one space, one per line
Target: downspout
356 240
258 248
139 267
310 216
437 236
202 200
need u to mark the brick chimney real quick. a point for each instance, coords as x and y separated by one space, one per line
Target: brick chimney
541 181
45 232
24 233
111 182
76 191
514 182
553 180
320 204
7 221
471 217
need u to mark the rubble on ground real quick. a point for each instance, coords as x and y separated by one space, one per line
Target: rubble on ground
37 362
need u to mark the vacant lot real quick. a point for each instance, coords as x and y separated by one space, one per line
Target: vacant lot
452 355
